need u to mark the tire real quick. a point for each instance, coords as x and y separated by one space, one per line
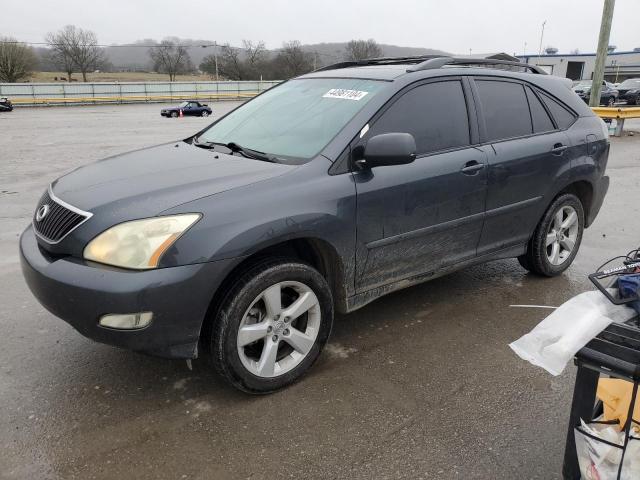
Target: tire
245 306
174 114
546 256
610 101
204 114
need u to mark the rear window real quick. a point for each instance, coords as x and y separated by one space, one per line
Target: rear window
541 120
505 109
564 117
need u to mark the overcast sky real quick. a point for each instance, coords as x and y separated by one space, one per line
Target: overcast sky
451 25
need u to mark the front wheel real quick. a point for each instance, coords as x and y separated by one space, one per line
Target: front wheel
557 238
271 325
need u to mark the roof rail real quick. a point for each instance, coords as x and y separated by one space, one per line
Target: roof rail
379 61
439 62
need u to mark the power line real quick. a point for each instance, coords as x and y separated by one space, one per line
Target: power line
157 45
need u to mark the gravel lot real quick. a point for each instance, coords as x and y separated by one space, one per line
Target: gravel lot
419 384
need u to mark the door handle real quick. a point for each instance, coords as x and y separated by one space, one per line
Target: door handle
472 168
558 149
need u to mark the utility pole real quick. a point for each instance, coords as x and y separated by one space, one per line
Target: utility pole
601 55
215 57
541 37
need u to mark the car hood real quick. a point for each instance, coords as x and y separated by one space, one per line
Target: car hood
148 181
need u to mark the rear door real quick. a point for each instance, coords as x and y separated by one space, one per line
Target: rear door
528 153
418 217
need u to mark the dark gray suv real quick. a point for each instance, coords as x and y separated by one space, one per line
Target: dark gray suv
321 194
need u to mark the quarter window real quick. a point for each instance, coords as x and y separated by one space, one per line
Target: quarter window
434 113
505 109
541 120
564 118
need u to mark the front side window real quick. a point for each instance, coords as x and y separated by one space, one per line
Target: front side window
505 109
434 113
296 119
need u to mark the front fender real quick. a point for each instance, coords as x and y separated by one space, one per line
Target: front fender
306 203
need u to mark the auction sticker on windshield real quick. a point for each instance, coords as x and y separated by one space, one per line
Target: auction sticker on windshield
345 94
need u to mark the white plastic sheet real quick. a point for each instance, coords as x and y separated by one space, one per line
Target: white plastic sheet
555 340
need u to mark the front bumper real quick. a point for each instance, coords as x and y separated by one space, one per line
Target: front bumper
600 191
81 292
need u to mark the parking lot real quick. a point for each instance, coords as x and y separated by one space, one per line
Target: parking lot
419 384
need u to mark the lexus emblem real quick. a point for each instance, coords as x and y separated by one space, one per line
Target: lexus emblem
42 212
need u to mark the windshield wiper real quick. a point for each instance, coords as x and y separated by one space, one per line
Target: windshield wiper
234 147
249 153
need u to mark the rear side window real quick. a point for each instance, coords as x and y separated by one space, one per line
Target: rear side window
564 118
505 109
541 120
434 113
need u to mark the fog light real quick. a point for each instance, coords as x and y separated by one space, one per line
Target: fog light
127 321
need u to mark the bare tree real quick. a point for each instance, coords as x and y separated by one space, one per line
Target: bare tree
208 65
255 58
362 49
230 64
292 60
16 60
74 48
85 52
61 45
171 59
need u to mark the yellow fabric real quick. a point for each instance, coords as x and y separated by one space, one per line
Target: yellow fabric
616 398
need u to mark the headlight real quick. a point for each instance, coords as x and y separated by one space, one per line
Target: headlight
138 244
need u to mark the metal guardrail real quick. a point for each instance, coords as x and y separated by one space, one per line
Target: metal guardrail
40 94
619 114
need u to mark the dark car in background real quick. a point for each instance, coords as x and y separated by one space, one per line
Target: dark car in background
319 195
608 94
189 109
5 105
630 91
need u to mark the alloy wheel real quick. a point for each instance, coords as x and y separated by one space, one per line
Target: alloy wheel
279 329
562 235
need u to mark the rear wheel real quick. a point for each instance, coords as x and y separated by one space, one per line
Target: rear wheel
610 101
271 325
204 114
557 238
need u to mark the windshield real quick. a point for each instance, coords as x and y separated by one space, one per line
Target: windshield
583 84
631 83
295 119
183 104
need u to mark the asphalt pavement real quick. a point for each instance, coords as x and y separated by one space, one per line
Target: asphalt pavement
419 384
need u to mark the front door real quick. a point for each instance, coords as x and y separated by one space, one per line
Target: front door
413 219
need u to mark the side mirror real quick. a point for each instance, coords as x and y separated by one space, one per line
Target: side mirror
388 149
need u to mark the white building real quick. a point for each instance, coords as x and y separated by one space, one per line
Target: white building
618 67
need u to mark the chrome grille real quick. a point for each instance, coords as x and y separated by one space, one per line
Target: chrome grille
53 221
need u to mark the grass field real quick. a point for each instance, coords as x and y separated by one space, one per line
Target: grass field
117 77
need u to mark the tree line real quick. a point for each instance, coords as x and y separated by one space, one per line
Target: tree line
76 50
